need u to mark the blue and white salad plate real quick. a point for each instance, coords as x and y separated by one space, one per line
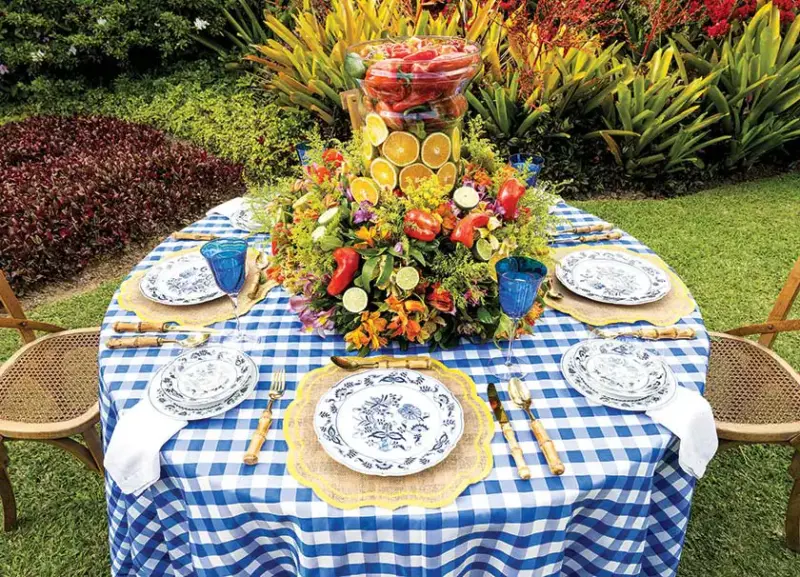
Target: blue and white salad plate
180 281
613 277
388 422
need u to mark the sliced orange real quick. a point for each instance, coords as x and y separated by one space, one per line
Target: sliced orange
384 173
436 150
363 188
447 175
413 175
375 129
401 148
455 139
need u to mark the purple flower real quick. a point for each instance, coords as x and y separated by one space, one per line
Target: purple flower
348 194
398 248
3 69
319 322
364 213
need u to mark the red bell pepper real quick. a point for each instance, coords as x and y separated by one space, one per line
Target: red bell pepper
421 225
508 197
347 262
464 232
383 81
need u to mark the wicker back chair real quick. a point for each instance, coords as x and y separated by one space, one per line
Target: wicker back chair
48 392
755 394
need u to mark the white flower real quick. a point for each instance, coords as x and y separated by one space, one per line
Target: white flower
72 50
37 56
200 24
102 21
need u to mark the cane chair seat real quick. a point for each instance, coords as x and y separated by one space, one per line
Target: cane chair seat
49 387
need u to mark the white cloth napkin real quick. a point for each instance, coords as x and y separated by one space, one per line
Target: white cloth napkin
228 208
132 456
688 415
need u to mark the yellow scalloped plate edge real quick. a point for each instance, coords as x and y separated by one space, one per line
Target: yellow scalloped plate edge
381 499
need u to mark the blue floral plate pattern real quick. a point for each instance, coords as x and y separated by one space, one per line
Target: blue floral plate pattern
613 277
388 422
180 281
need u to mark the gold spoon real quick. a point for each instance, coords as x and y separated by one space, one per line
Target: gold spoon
522 398
190 342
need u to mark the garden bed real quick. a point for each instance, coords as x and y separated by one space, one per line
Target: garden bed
75 188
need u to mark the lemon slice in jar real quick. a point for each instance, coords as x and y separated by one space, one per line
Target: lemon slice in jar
436 150
375 129
401 148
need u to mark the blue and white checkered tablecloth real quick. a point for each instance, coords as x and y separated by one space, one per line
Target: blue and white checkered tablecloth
621 508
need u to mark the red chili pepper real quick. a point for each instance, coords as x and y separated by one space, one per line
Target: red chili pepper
453 61
347 261
421 225
464 232
508 197
428 54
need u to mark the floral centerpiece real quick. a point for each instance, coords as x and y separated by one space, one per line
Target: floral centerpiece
381 264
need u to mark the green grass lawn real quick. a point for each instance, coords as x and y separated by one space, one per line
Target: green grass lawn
733 246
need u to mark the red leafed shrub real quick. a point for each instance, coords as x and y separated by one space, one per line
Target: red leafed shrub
75 188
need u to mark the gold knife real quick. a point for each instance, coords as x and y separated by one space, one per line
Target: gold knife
193 236
586 229
590 238
356 363
149 327
508 432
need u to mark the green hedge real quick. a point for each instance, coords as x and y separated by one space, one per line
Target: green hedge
198 102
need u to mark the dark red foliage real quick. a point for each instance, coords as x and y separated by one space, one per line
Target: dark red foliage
721 14
74 188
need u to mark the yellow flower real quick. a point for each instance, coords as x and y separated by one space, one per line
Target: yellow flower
368 333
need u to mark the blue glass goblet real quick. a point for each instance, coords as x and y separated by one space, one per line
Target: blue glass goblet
519 279
227 258
530 165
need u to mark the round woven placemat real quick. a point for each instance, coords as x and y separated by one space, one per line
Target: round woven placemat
469 462
221 309
667 311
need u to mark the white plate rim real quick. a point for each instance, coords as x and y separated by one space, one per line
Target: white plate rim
162 264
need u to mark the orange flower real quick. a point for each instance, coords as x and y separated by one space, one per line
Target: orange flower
368 333
402 324
449 220
526 327
368 235
441 299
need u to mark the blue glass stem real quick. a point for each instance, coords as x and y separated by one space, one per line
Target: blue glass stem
235 300
511 338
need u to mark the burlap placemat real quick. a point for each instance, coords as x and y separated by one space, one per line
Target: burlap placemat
221 309
469 462
667 311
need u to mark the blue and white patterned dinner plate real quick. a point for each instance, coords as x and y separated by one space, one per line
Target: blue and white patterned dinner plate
243 219
180 281
613 277
619 374
388 422
203 383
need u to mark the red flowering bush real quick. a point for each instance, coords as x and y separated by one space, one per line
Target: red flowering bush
722 14
74 188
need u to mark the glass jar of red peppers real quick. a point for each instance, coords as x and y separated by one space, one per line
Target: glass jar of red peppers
412 105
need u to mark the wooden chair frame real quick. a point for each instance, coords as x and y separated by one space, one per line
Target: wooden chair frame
732 434
56 434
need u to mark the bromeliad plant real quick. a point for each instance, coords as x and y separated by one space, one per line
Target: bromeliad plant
653 119
415 267
756 86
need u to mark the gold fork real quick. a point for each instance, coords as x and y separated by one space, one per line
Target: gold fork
276 390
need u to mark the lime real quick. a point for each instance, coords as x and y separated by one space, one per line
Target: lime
407 278
354 66
328 215
483 249
318 233
466 198
355 299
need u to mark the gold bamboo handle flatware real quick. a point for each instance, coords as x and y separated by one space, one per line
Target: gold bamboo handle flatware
650 334
516 451
193 236
590 238
189 342
276 389
150 327
357 363
586 229
522 398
